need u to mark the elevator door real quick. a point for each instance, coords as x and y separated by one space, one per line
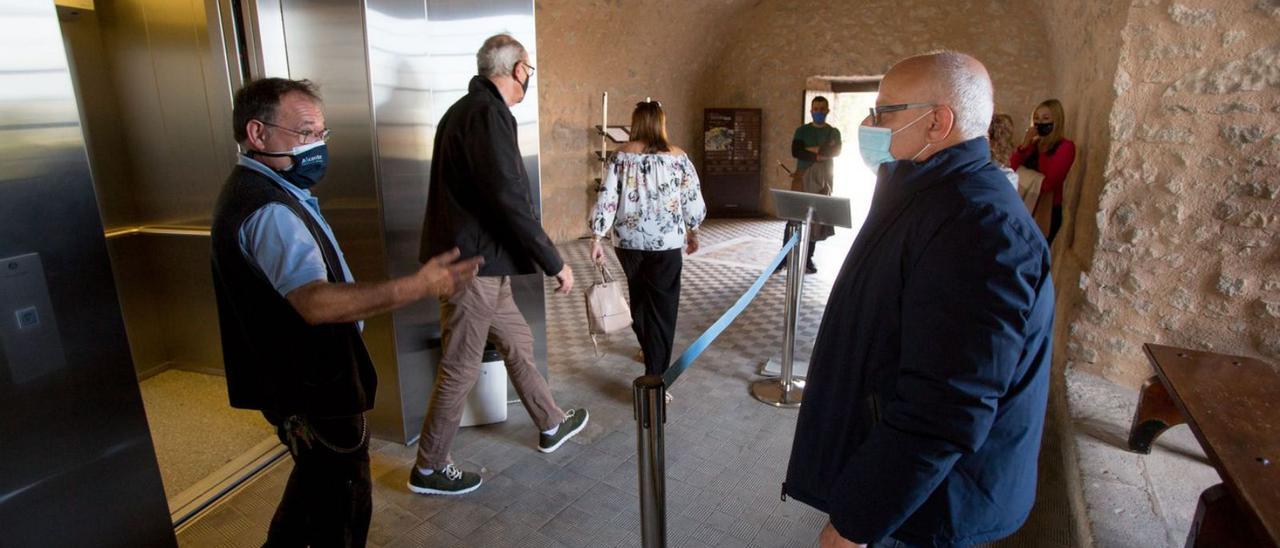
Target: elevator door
76 466
154 87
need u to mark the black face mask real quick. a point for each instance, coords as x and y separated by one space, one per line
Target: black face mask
524 86
1044 129
309 164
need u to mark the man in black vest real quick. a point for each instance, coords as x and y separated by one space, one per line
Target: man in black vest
479 202
290 313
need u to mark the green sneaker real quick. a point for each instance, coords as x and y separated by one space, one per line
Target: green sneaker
574 421
449 481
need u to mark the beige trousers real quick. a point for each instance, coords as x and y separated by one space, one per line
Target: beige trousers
482 310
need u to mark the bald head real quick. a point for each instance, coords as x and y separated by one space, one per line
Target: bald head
946 78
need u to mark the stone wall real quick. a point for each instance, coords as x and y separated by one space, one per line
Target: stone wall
778 44
1172 213
744 53
1176 218
633 49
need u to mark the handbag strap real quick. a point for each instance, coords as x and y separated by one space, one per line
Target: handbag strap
605 274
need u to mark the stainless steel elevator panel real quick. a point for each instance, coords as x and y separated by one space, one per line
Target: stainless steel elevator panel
76 463
388 69
325 42
421 57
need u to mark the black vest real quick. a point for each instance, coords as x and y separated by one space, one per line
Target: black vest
274 360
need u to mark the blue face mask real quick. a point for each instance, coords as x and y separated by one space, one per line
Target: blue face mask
819 117
309 164
875 142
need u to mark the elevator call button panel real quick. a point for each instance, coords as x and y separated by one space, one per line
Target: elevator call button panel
30 345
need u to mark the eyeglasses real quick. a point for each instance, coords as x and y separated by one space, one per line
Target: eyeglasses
529 69
877 112
307 135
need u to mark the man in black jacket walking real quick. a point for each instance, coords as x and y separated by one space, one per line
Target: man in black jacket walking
926 393
479 202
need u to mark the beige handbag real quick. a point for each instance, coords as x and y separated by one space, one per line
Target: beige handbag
1041 207
607 310
1029 181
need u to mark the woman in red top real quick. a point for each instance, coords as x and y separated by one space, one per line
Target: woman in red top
1046 150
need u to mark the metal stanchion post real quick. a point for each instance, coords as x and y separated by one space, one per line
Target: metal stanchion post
786 391
649 396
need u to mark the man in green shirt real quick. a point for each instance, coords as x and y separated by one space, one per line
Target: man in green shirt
814 147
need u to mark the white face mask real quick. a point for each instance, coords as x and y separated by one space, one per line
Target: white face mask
874 143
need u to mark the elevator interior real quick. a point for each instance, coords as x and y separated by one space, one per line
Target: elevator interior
154 81
155 101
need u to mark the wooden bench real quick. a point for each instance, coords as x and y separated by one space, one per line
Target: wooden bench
1232 404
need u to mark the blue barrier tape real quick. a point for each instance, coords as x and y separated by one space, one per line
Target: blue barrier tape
704 340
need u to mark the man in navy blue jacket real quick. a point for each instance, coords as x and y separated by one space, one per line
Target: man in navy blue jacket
928 381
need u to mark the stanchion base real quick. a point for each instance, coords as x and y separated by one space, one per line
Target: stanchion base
773 368
773 392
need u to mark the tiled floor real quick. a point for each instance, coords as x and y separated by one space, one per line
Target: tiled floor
726 453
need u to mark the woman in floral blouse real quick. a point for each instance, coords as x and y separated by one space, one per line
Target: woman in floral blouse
651 200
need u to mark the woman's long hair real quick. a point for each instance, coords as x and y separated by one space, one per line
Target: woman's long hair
1000 135
1050 141
649 126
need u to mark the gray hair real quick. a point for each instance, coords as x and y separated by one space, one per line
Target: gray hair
499 55
966 90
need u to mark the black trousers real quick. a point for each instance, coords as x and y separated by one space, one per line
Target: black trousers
653 281
792 227
1055 222
328 500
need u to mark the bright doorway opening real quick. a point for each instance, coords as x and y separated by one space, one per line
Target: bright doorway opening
850 102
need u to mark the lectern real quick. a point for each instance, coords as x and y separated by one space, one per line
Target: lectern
785 390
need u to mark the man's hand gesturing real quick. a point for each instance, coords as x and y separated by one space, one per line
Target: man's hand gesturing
445 273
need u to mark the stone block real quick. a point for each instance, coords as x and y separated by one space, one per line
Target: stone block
1181 300
1237 106
1270 7
1168 135
1125 214
1257 71
1185 50
1255 189
1231 286
1258 219
1240 135
1122 82
1217 309
1192 17
1268 343
1122 124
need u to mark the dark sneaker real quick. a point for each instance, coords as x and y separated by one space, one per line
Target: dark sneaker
448 481
574 421
810 268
